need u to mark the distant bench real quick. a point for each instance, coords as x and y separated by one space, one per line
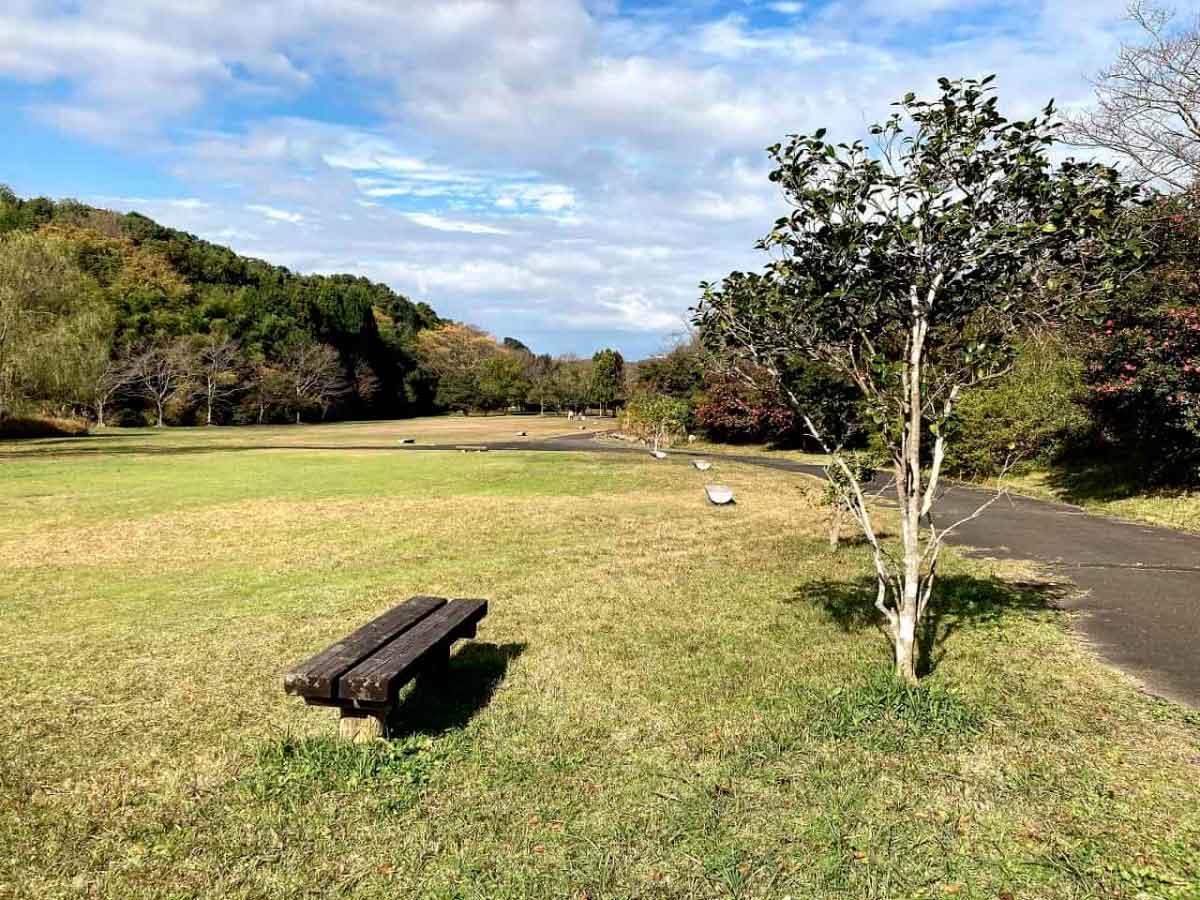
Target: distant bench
363 672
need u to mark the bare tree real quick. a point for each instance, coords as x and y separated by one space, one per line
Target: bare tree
217 360
110 376
1148 102
160 371
313 374
267 387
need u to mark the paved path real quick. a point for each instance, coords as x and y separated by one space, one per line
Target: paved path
1140 585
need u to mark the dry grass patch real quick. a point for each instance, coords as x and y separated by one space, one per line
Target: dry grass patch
667 699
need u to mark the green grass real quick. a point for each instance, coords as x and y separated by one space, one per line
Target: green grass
1113 488
667 699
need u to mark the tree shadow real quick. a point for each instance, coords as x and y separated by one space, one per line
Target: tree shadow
958 601
466 687
1100 479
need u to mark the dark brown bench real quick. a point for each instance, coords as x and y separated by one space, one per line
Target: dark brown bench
363 672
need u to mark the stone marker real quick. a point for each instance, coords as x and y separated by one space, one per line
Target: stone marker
718 494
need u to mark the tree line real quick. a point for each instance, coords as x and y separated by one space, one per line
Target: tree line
118 318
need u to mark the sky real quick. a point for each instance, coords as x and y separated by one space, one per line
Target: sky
561 171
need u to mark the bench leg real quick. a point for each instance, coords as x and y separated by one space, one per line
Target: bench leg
434 672
360 726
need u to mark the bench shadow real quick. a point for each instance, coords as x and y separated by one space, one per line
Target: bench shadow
958 601
472 677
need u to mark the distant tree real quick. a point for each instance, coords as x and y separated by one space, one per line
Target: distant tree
654 418
159 371
678 373
913 269
109 376
453 353
313 374
218 359
511 343
501 381
366 382
573 382
51 317
540 373
1148 102
607 376
267 388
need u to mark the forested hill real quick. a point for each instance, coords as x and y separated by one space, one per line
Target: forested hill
158 285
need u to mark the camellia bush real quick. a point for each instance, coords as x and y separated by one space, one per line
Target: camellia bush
1143 364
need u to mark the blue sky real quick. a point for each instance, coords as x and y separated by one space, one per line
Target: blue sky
563 171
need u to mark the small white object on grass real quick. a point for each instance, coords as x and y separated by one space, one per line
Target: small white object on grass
520 434
702 464
408 440
658 454
718 494
583 428
691 439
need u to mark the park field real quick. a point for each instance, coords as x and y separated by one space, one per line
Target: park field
425 430
666 700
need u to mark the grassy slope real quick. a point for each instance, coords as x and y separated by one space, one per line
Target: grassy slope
666 700
1111 489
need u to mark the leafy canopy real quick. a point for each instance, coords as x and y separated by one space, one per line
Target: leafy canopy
950 234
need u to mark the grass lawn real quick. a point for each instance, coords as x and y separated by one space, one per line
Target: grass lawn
426 430
667 699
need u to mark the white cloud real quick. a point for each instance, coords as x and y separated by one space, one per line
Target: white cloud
429 220
553 163
275 214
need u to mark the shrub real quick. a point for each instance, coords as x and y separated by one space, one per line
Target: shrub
654 418
1143 365
41 427
1032 414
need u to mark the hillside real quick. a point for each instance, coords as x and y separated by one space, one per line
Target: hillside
146 284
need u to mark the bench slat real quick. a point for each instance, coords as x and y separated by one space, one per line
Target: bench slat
318 676
375 678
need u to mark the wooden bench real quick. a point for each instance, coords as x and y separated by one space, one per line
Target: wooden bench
363 672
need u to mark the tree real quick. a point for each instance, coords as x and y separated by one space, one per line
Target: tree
511 343
453 353
501 381
266 388
541 372
109 377
159 371
608 367
839 491
1148 102
911 270
654 418
50 315
573 382
218 359
312 373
